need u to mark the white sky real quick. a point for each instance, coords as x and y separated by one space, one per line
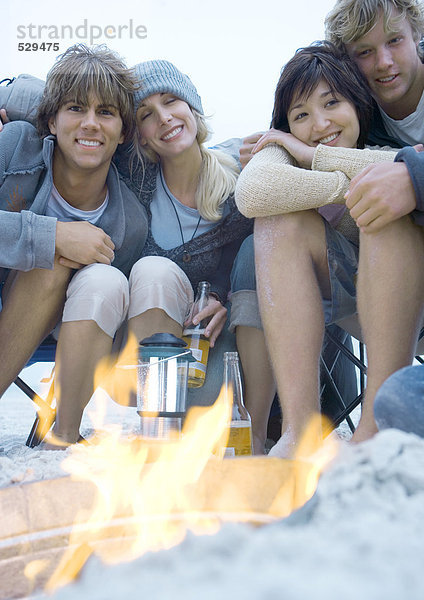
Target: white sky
232 49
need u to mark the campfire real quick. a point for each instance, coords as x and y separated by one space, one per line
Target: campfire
127 496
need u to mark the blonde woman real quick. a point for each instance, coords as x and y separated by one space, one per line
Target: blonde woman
195 228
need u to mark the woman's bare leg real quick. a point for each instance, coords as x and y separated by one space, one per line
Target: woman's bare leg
259 385
153 321
292 275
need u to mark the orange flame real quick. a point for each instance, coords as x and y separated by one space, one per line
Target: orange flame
144 480
149 493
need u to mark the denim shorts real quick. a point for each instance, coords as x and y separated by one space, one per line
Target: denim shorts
342 258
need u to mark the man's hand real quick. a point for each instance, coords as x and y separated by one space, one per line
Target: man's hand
247 146
79 243
382 193
3 118
301 152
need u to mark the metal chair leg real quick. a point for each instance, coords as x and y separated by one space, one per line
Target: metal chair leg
46 414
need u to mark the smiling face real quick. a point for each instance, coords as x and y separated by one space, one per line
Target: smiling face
393 69
166 125
87 135
324 118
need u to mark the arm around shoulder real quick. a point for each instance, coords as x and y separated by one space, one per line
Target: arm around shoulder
21 149
21 98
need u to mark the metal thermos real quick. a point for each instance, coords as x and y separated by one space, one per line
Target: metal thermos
162 373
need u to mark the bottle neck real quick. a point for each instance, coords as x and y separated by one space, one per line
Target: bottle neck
233 385
200 303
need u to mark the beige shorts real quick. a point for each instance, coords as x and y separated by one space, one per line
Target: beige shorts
101 293
98 293
157 282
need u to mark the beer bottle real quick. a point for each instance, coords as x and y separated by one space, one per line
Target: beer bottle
194 336
240 435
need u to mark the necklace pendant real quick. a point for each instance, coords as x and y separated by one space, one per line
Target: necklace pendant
186 256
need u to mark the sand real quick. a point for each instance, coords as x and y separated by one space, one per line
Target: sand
361 536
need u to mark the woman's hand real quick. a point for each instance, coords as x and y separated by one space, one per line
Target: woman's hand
301 152
217 313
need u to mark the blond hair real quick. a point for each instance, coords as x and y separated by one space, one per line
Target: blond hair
218 175
350 20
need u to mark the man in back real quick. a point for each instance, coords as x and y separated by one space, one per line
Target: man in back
383 38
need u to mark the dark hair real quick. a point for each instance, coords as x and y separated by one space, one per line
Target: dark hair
82 70
301 75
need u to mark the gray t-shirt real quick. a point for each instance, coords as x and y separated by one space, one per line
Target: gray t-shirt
63 211
168 214
410 129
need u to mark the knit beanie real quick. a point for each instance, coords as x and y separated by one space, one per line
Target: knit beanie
161 76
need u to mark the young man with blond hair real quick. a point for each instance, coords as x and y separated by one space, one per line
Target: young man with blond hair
383 38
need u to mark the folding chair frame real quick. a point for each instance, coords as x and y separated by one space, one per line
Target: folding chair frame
45 411
46 414
327 380
346 409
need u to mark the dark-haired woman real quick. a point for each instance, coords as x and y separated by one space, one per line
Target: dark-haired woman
307 246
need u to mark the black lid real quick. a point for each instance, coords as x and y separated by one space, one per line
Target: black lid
163 339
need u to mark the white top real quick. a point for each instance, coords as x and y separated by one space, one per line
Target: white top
410 129
165 226
63 211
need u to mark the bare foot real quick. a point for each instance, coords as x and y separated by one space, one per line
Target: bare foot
285 447
52 442
364 432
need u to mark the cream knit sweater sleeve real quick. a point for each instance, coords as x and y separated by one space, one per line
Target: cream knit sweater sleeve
271 183
350 161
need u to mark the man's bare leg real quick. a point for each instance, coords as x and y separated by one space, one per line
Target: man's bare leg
32 306
96 305
81 346
259 385
390 304
292 275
